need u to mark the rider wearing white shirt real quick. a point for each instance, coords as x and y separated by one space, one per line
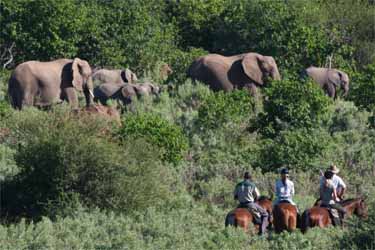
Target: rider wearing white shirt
337 182
284 188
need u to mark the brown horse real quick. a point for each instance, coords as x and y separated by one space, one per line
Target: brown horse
319 216
285 217
243 218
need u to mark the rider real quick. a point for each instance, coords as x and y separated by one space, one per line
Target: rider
337 182
329 196
246 193
284 188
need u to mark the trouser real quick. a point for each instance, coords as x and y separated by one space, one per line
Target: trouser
341 210
263 213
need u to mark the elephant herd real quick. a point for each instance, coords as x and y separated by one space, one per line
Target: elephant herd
42 84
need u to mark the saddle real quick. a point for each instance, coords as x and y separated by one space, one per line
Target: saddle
257 219
334 215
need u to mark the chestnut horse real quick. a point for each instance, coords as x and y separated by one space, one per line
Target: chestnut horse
285 217
242 217
319 216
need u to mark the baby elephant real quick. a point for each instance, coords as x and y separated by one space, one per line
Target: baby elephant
117 76
329 80
124 93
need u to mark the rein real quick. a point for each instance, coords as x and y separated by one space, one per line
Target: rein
350 205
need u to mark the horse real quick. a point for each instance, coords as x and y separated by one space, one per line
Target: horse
242 217
319 216
285 217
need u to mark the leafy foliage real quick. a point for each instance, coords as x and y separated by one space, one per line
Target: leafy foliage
290 105
104 187
221 107
66 162
157 131
363 88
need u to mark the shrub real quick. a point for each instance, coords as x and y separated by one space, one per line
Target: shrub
157 131
362 234
220 108
296 149
362 89
66 163
291 105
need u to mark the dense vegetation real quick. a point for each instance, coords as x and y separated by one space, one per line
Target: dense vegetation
163 179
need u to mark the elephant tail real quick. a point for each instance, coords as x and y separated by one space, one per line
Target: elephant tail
13 94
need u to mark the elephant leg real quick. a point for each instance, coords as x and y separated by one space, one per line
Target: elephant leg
72 97
251 88
330 90
28 100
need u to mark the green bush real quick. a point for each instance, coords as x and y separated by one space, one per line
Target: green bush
362 90
220 108
362 234
291 105
296 149
68 161
157 131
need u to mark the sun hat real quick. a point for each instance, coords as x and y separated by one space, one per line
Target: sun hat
333 169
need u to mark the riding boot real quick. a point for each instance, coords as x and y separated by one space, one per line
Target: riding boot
336 221
263 226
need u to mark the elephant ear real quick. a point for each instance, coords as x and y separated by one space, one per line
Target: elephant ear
250 65
334 77
77 81
154 89
126 75
134 77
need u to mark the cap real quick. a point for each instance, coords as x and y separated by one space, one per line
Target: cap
284 171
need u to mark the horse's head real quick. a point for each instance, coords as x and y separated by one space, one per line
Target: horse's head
361 209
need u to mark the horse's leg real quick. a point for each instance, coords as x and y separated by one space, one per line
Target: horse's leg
305 221
292 223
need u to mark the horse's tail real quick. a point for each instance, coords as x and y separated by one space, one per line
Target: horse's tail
305 221
230 220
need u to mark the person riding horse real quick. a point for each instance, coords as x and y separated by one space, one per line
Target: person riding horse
337 181
285 211
329 198
284 188
246 193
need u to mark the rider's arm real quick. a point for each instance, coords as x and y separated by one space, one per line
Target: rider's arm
335 198
235 195
277 188
256 193
342 186
292 189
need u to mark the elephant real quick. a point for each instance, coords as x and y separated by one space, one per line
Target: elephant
124 92
248 70
117 76
329 79
41 84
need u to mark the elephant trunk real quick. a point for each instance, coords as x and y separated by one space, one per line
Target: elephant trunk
275 74
345 87
88 91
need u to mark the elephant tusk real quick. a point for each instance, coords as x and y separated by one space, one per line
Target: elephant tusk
92 94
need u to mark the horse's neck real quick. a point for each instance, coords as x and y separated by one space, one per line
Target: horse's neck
350 207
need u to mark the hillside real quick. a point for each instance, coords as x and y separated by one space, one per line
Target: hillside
164 177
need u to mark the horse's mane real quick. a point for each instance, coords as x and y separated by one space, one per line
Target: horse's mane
348 201
263 197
